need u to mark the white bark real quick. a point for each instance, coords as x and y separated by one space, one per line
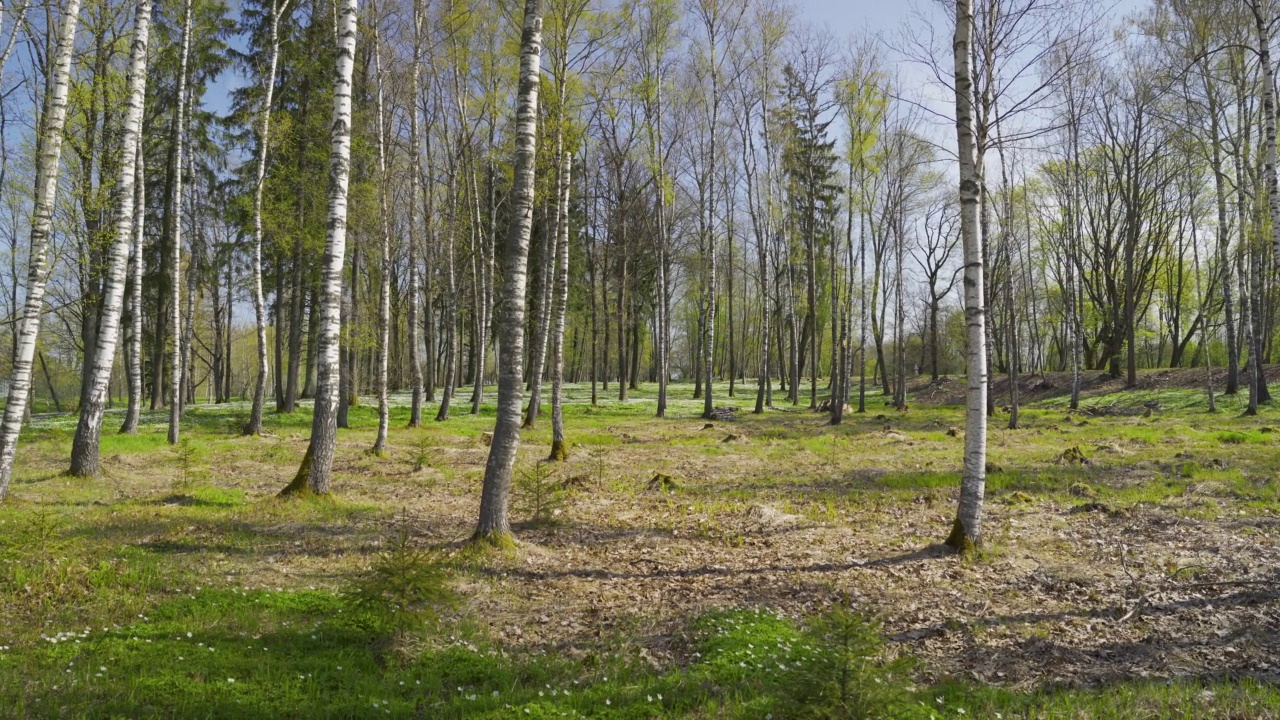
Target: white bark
559 450
415 285
450 308
130 425
967 531
315 473
1263 22
85 460
495 497
542 317
175 233
49 154
254 426
384 286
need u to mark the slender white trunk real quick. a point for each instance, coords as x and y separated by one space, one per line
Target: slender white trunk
450 304
542 318
709 327
254 426
48 154
85 460
415 285
480 277
559 450
384 286
494 523
1263 22
317 467
130 425
967 531
175 234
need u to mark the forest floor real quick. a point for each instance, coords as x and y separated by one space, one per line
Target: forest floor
677 569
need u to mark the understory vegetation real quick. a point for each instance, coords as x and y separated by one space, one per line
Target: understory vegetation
785 569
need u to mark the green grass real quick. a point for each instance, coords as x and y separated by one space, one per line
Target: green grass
138 575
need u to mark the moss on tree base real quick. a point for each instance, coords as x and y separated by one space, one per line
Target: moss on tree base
959 540
300 486
559 452
496 539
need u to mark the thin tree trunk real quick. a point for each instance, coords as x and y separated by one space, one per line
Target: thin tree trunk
559 449
551 237
415 289
48 154
450 303
254 426
384 280
85 461
966 533
175 233
315 472
130 426
494 524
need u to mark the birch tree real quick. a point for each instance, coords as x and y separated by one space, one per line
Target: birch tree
48 163
175 233
85 461
559 450
384 281
494 524
254 426
316 470
136 266
966 533
415 217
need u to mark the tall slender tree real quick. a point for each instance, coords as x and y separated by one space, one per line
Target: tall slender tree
178 135
494 523
384 215
415 219
315 473
48 162
136 265
85 460
278 9
966 533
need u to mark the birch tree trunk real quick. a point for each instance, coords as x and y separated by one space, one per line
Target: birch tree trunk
415 286
494 525
384 284
664 308
188 327
1263 21
175 234
85 461
254 427
130 425
316 469
49 155
450 303
966 534
559 450
542 316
